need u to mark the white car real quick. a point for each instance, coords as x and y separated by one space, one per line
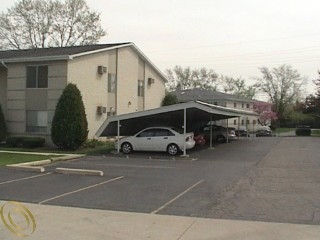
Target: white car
164 139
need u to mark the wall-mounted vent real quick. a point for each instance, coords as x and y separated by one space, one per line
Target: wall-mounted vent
150 81
102 69
101 110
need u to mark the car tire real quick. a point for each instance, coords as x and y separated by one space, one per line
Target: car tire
126 148
172 149
220 139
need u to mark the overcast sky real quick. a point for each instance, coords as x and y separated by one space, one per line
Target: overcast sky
233 37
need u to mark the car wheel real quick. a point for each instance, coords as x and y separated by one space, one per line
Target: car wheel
126 147
172 149
220 139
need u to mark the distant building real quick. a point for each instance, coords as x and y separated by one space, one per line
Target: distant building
224 100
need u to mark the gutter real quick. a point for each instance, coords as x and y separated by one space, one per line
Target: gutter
35 59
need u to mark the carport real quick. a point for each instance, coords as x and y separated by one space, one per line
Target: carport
185 115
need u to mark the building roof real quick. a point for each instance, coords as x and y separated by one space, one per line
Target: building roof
207 96
68 53
54 51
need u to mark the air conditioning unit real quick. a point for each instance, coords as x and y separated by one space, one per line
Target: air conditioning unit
101 110
150 81
102 69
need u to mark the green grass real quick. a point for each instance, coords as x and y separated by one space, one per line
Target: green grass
103 149
283 130
315 133
12 158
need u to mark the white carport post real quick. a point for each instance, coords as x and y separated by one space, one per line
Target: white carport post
227 130
184 130
211 132
118 137
239 128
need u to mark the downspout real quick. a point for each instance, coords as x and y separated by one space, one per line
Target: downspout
4 64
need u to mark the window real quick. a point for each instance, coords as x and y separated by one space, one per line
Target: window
140 88
248 105
37 77
234 122
163 133
242 105
112 83
37 121
235 104
248 121
242 122
147 133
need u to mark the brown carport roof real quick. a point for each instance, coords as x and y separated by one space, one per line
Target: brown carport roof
173 115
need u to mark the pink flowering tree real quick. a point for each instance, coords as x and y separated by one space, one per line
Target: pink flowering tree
266 115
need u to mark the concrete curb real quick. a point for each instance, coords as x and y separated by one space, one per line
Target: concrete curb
79 171
67 157
27 168
34 166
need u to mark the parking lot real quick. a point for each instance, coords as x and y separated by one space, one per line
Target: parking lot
226 182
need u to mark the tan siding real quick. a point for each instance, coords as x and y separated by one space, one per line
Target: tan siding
154 93
127 92
83 71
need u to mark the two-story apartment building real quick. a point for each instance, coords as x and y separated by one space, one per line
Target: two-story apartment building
224 100
112 78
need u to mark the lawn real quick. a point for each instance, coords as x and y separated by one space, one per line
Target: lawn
315 132
283 130
12 158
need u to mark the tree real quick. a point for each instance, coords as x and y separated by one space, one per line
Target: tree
283 86
266 115
3 128
49 23
170 99
69 125
185 78
237 87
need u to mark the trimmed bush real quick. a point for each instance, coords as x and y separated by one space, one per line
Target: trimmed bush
3 128
33 142
303 131
169 99
14 141
69 124
27 142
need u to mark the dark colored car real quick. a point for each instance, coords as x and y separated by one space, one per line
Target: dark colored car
264 131
199 139
219 133
303 131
